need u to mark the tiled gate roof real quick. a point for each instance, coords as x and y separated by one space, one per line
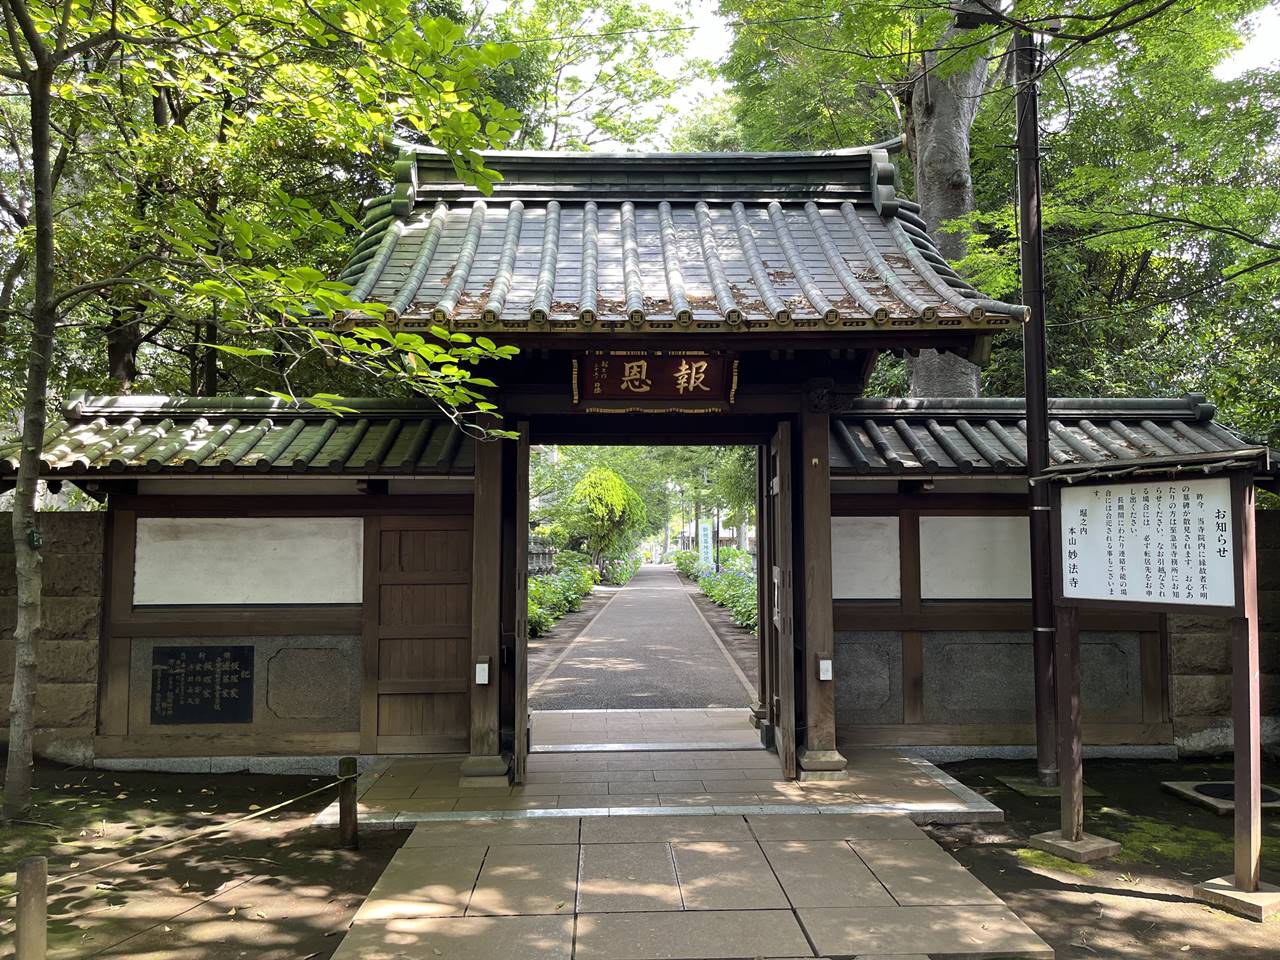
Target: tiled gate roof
662 242
253 435
137 435
988 436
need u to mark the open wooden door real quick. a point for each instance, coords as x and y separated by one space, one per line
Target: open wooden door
520 747
780 640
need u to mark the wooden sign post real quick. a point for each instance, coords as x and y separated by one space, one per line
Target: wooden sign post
1170 544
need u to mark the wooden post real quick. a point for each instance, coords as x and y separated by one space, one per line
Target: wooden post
33 909
1246 701
760 708
1035 377
486 760
819 757
348 821
1066 651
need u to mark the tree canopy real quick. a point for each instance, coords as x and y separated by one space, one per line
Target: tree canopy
1161 198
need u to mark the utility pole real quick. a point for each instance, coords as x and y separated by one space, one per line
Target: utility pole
1035 373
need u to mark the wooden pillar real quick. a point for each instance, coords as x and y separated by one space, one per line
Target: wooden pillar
818 758
1066 666
1246 700
486 760
760 706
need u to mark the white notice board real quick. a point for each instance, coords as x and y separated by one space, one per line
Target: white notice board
1168 541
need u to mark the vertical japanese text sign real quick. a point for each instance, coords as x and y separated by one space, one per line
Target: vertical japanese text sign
1167 543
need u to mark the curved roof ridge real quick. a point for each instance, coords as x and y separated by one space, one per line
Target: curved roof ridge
1193 404
892 145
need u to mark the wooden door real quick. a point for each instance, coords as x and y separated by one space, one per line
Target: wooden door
781 624
521 619
417 635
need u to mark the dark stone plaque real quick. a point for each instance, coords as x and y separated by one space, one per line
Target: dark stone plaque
201 684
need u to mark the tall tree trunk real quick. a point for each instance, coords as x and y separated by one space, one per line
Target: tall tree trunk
26 533
123 340
942 109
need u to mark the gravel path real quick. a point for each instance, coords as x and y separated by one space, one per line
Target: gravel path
647 649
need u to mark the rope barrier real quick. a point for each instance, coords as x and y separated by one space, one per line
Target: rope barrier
203 831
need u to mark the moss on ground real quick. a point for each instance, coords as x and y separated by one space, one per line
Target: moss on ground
1042 860
1154 840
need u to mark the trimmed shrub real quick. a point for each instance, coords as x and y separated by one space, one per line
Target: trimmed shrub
686 562
733 587
552 595
618 570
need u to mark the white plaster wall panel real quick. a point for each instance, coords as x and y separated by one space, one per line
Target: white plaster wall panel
248 560
974 558
864 558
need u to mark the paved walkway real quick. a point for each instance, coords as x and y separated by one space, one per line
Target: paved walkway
399 793
681 888
575 731
648 648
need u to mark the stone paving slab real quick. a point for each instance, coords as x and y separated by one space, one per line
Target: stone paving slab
975 932
835 827
824 873
663 829
424 882
461 938
702 935
526 880
920 873
627 878
468 833
682 888
409 790
715 875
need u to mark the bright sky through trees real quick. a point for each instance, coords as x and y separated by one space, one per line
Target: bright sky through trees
712 37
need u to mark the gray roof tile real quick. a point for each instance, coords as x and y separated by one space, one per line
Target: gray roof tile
656 241
988 436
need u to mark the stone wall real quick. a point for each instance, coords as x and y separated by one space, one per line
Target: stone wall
1200 662
67 648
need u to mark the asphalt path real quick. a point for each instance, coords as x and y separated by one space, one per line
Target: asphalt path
648 648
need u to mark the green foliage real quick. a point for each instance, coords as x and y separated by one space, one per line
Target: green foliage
672 481
711 126
1040 860
221 149
1161 190
686 561
618 570
607 514
733 586
594 71
553 595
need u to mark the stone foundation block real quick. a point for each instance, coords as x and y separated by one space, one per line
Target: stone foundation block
65 704
1260 905
71 745
1180 623
1200 653
1085 850
1214 736
57 661
1200 695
